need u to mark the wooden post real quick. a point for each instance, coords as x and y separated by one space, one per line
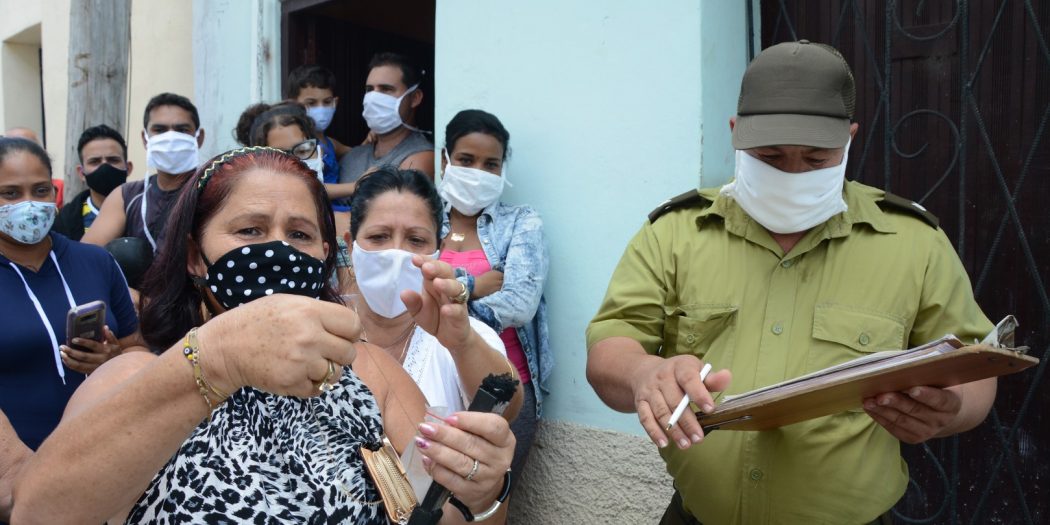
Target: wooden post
99 37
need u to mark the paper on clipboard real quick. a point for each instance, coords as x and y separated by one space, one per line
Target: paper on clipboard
944 362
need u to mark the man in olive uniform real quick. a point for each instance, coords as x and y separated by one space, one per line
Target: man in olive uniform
786 270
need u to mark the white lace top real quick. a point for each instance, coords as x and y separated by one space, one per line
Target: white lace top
432 368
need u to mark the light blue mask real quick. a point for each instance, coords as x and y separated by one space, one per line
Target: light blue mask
27 222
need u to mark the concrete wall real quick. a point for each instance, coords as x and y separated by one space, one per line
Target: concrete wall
20 44
247 70
162 40
578 474
20 66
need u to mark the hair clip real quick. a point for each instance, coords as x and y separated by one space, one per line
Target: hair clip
226 157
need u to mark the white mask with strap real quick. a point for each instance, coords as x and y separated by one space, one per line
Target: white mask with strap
785 202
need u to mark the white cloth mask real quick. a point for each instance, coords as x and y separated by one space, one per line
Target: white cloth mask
322 115
172 152
785 202
27 222
317 164
382 275
470 190
382 112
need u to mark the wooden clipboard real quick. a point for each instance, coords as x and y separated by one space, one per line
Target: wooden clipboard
819 395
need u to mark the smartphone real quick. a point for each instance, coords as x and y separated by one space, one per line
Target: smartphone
86 322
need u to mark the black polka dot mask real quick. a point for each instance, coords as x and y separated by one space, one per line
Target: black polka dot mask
257 270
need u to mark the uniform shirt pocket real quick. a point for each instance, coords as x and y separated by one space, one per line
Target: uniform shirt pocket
695 329
842 332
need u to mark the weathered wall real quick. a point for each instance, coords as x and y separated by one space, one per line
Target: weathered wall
578 474
247 70
161 60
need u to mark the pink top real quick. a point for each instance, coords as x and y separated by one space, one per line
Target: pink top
475 263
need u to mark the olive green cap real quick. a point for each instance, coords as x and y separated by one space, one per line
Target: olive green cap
795 93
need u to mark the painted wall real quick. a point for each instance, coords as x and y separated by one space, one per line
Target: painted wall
247 70
606 107
723 59
162 40
20 66
20 43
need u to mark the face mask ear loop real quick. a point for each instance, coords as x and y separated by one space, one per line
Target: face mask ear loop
406 124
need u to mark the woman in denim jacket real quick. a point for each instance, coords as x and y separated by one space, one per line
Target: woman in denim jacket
499 252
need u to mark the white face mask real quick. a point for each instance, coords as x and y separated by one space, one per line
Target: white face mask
322 115
382 275
382 112
470 190
172 152
27 222
317 164
785 202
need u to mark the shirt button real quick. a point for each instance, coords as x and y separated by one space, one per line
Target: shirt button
864 339
787 263
690 339
777 329
756 474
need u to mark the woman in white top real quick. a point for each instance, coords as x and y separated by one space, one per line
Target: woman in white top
395 219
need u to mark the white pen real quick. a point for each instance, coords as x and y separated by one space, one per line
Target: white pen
685 399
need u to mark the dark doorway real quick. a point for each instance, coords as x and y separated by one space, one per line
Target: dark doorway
342 35
953 99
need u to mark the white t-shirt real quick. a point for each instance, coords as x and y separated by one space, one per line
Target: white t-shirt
431 366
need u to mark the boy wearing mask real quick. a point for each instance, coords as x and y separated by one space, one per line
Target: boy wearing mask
313 86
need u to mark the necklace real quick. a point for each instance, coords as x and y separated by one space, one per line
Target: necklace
404 348
405 336
457 237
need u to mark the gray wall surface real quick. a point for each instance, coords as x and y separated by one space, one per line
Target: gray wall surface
582 475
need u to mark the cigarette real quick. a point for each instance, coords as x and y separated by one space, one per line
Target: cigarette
685 399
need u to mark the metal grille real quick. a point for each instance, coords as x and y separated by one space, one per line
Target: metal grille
953 103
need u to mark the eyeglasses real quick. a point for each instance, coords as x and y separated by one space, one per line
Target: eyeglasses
304 150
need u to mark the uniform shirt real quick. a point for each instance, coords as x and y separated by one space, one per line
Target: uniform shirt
711 282
31 392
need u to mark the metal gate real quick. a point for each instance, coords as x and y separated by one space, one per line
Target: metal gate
953 100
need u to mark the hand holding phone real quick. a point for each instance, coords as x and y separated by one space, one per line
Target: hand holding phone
86 321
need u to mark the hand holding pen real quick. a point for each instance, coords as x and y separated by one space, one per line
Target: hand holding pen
658 389
684 403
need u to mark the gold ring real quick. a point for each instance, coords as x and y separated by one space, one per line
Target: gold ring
473 471
462 296
324 385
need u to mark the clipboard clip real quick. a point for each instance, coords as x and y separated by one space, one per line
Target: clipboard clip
1002 336
708 428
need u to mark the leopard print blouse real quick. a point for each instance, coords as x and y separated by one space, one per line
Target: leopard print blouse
268 459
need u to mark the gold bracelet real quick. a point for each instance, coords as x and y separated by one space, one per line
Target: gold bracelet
191 349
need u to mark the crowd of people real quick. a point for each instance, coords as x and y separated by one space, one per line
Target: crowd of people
273 313
268 313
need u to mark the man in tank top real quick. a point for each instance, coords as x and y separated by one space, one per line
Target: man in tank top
392 96
172 136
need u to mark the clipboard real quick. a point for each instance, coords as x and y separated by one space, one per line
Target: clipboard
941 363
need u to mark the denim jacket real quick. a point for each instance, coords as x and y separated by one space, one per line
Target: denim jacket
513 242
